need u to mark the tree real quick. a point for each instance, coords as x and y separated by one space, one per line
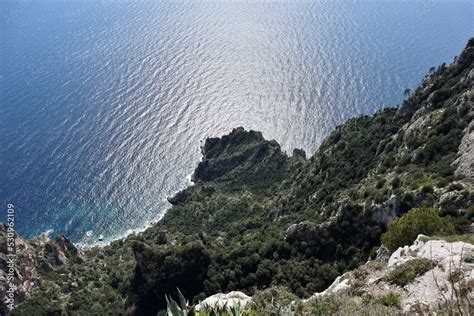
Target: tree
404 230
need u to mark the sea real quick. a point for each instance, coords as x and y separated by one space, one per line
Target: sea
104 104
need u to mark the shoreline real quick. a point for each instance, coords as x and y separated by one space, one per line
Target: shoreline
81 245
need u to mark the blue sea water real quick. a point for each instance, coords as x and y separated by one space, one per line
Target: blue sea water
104 104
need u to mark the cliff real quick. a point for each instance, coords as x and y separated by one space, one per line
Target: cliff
257 219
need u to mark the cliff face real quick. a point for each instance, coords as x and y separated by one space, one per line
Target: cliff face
27 261
18 274
257 218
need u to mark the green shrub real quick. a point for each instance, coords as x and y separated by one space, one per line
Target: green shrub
367 299
403 231
408 271
344 304
391 299
272 300
328 305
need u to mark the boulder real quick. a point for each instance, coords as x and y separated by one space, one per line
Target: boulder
342 282
229 300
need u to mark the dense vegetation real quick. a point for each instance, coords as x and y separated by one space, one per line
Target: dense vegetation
426 221
257 218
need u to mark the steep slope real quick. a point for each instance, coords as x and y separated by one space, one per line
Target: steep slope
431 276
257 218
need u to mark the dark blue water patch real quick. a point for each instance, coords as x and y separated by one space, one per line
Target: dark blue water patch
104 104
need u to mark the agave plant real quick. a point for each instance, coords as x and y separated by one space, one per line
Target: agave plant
237 310
173 309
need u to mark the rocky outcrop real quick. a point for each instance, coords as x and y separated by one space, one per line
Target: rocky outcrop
465 162
451 273
457 199
300 231
341 283
59 251
243 156
178 198
18 274
447 280
386 211
222 155
382 254
54 252
467 55
21 269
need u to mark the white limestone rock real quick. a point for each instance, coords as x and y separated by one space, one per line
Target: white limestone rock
230 300
429 289
448 258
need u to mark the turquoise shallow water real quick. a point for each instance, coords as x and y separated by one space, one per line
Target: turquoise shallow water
104 104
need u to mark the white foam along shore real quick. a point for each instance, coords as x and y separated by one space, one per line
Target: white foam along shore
95 242
94 239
